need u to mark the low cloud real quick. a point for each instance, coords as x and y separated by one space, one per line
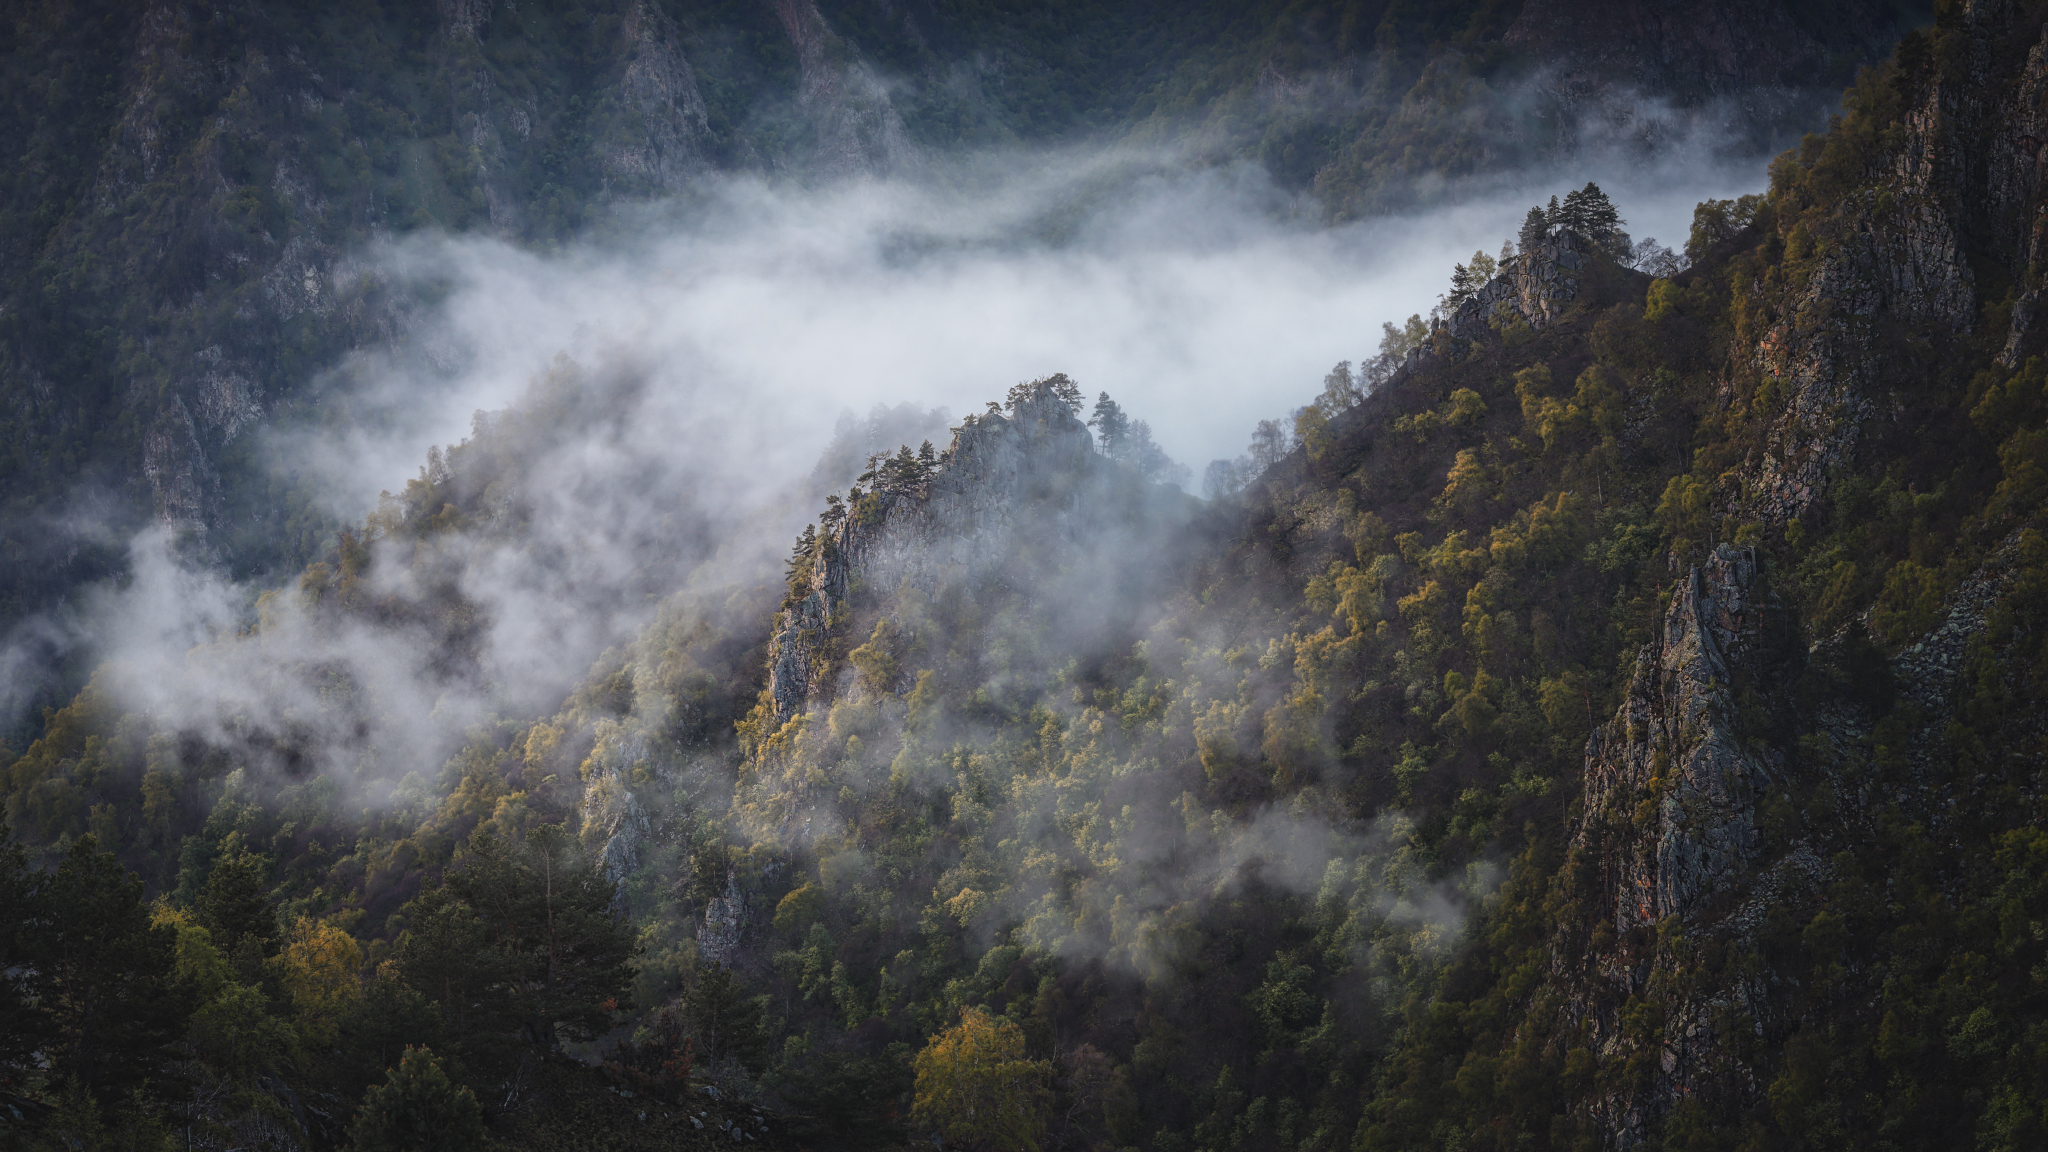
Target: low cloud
1203 299
748 319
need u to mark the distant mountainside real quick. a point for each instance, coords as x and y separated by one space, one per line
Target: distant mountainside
194 183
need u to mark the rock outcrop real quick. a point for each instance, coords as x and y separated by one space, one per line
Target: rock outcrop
660 89
725 922
1963 191
1670 846
1533 287
1005 480
858 131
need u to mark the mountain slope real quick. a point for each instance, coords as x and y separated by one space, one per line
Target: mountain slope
1621 728
185 237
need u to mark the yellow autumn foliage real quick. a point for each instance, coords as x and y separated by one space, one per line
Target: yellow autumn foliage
977 1088
322 968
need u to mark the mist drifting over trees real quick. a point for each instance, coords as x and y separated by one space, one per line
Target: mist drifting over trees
833 575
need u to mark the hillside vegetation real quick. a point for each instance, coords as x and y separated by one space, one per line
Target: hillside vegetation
197 187
1617 724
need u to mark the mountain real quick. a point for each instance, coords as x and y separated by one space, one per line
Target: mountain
1613 720
197 184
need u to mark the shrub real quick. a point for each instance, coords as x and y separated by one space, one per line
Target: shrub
417 1107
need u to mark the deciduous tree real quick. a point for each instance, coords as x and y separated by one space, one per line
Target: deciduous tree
975 1085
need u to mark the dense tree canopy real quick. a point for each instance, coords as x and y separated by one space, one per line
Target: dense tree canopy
1298 818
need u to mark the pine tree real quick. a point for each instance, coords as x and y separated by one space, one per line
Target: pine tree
24 1023
1056 387
233 907
1535 229
1068 392
418 1107
445 956
1461 288
903 473
548 910
1111 426
723 1020
104 972
800 559
1591 214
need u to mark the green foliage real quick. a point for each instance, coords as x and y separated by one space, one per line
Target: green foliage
1209 856
418 1106
104 974
848 1102
25 1024
234 907
976 1087
522 942
726 1023
1716 222
235 1033
798 910
1588 212
658 1061
1111 426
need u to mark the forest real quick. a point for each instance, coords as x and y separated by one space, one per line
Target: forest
197 181
1610 717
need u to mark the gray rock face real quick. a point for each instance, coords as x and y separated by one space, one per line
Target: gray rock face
1928 673
1678 728
1672 844
858 131
661 89
1533 287
1669 827
725 923
1968 165
464 19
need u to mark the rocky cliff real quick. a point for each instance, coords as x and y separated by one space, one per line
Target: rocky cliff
1885 276
1532 288
1010 503
1670 850
1734 801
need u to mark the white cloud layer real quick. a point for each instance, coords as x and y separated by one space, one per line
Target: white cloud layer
1191 297
756 313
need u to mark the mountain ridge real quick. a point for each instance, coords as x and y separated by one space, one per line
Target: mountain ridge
252 152
1518 760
